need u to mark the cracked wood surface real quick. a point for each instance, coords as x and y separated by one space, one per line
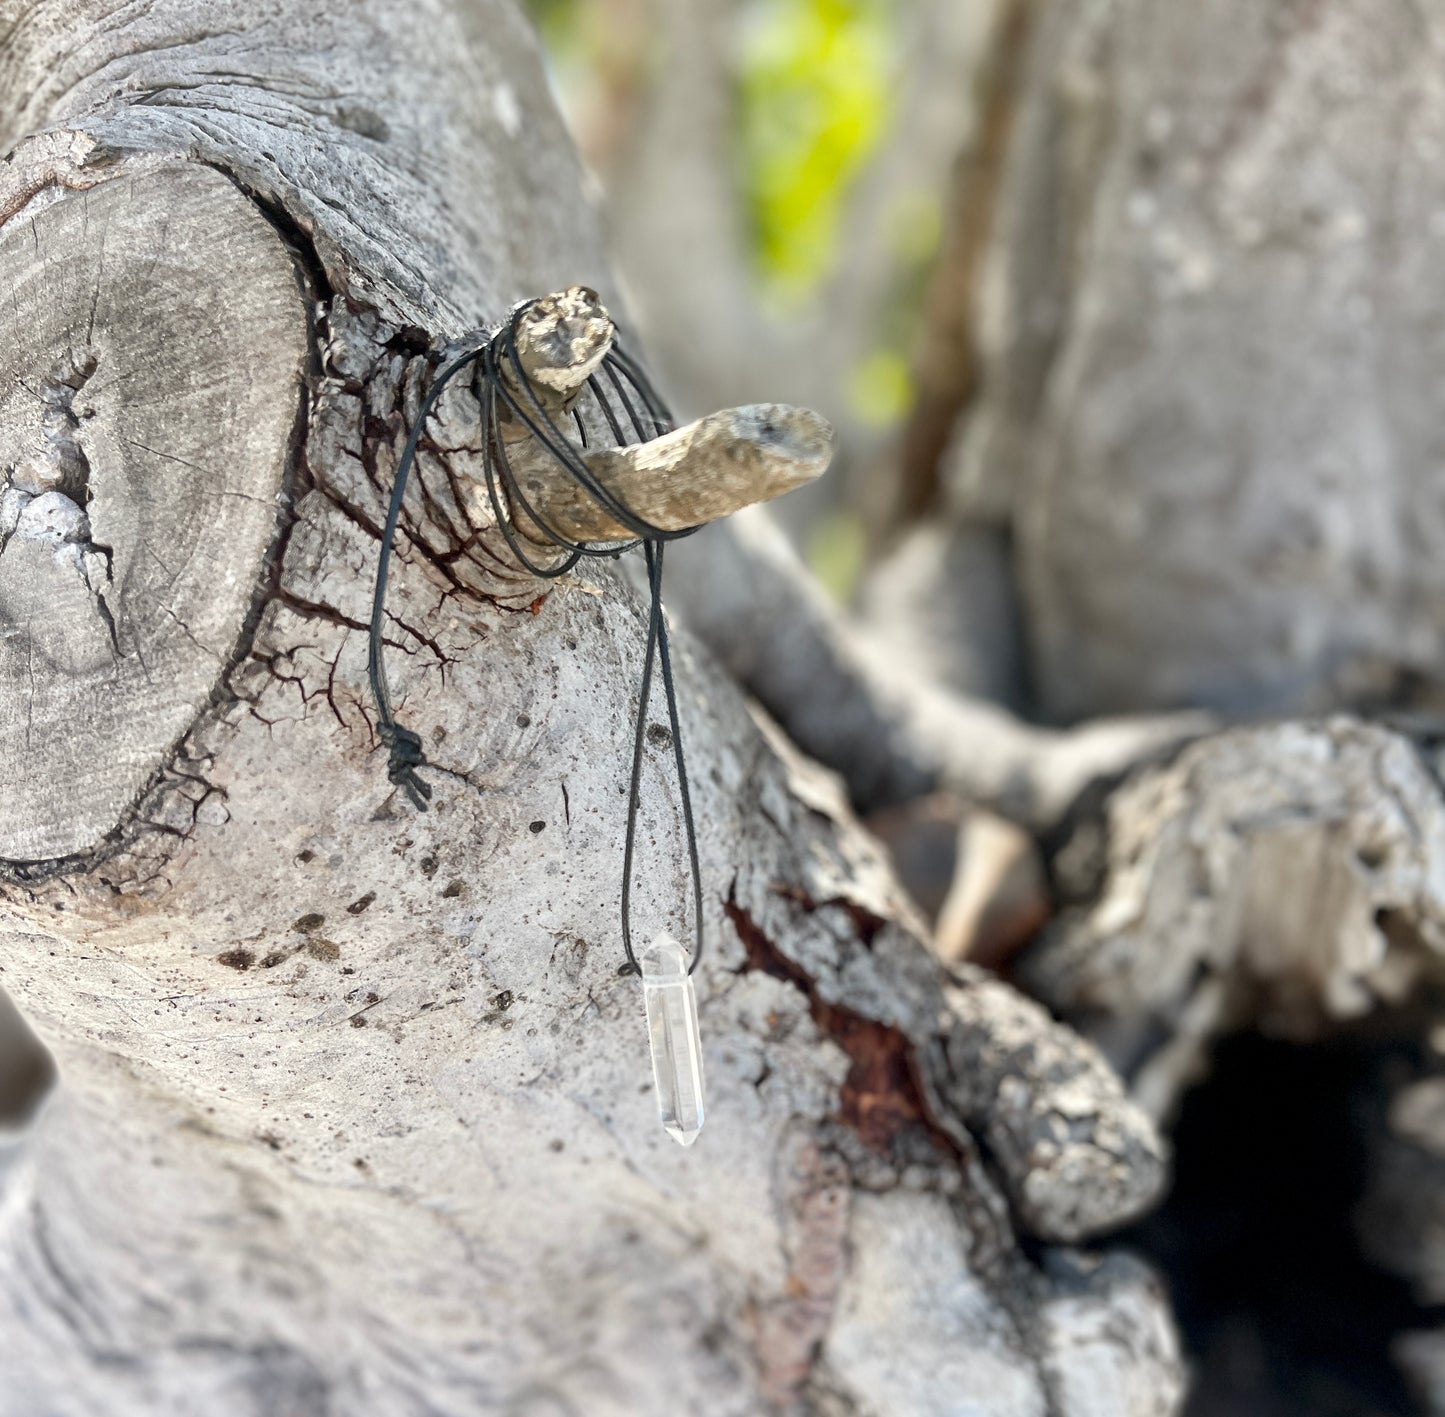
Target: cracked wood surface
353 1112
704 470
142 451
1289 876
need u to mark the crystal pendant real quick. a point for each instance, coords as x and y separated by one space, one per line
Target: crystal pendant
673 1037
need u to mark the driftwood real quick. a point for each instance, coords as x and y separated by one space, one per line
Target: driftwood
353 1111
683 478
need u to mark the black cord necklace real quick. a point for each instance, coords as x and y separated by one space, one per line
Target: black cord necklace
502 383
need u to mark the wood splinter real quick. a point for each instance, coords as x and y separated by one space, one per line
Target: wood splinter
695 474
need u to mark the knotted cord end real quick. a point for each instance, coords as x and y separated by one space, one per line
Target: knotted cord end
405 757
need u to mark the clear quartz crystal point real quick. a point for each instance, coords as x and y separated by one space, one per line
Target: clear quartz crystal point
673 1037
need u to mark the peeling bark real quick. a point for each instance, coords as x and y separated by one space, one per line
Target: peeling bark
1287 876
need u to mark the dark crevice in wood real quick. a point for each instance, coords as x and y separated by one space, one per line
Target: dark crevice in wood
63 469
1281 1308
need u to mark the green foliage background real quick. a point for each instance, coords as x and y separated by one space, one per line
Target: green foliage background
816 90
814 96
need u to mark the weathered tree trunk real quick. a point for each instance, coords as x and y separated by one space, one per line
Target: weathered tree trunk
1202 460
1206 419
353 1113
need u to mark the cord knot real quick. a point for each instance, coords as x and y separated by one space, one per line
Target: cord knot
405 757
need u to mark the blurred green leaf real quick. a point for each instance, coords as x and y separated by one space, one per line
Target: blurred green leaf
815 81
836 549
880 388
814 98
557 23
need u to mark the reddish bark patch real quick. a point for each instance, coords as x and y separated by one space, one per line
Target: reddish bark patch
866 924
881 1096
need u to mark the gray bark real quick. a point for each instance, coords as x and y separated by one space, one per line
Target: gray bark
1201 469
1206 420
1287 877
864 700
353 1113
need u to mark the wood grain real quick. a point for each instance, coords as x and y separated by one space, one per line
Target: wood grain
174 313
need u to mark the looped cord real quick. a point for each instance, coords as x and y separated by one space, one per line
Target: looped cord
497 368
